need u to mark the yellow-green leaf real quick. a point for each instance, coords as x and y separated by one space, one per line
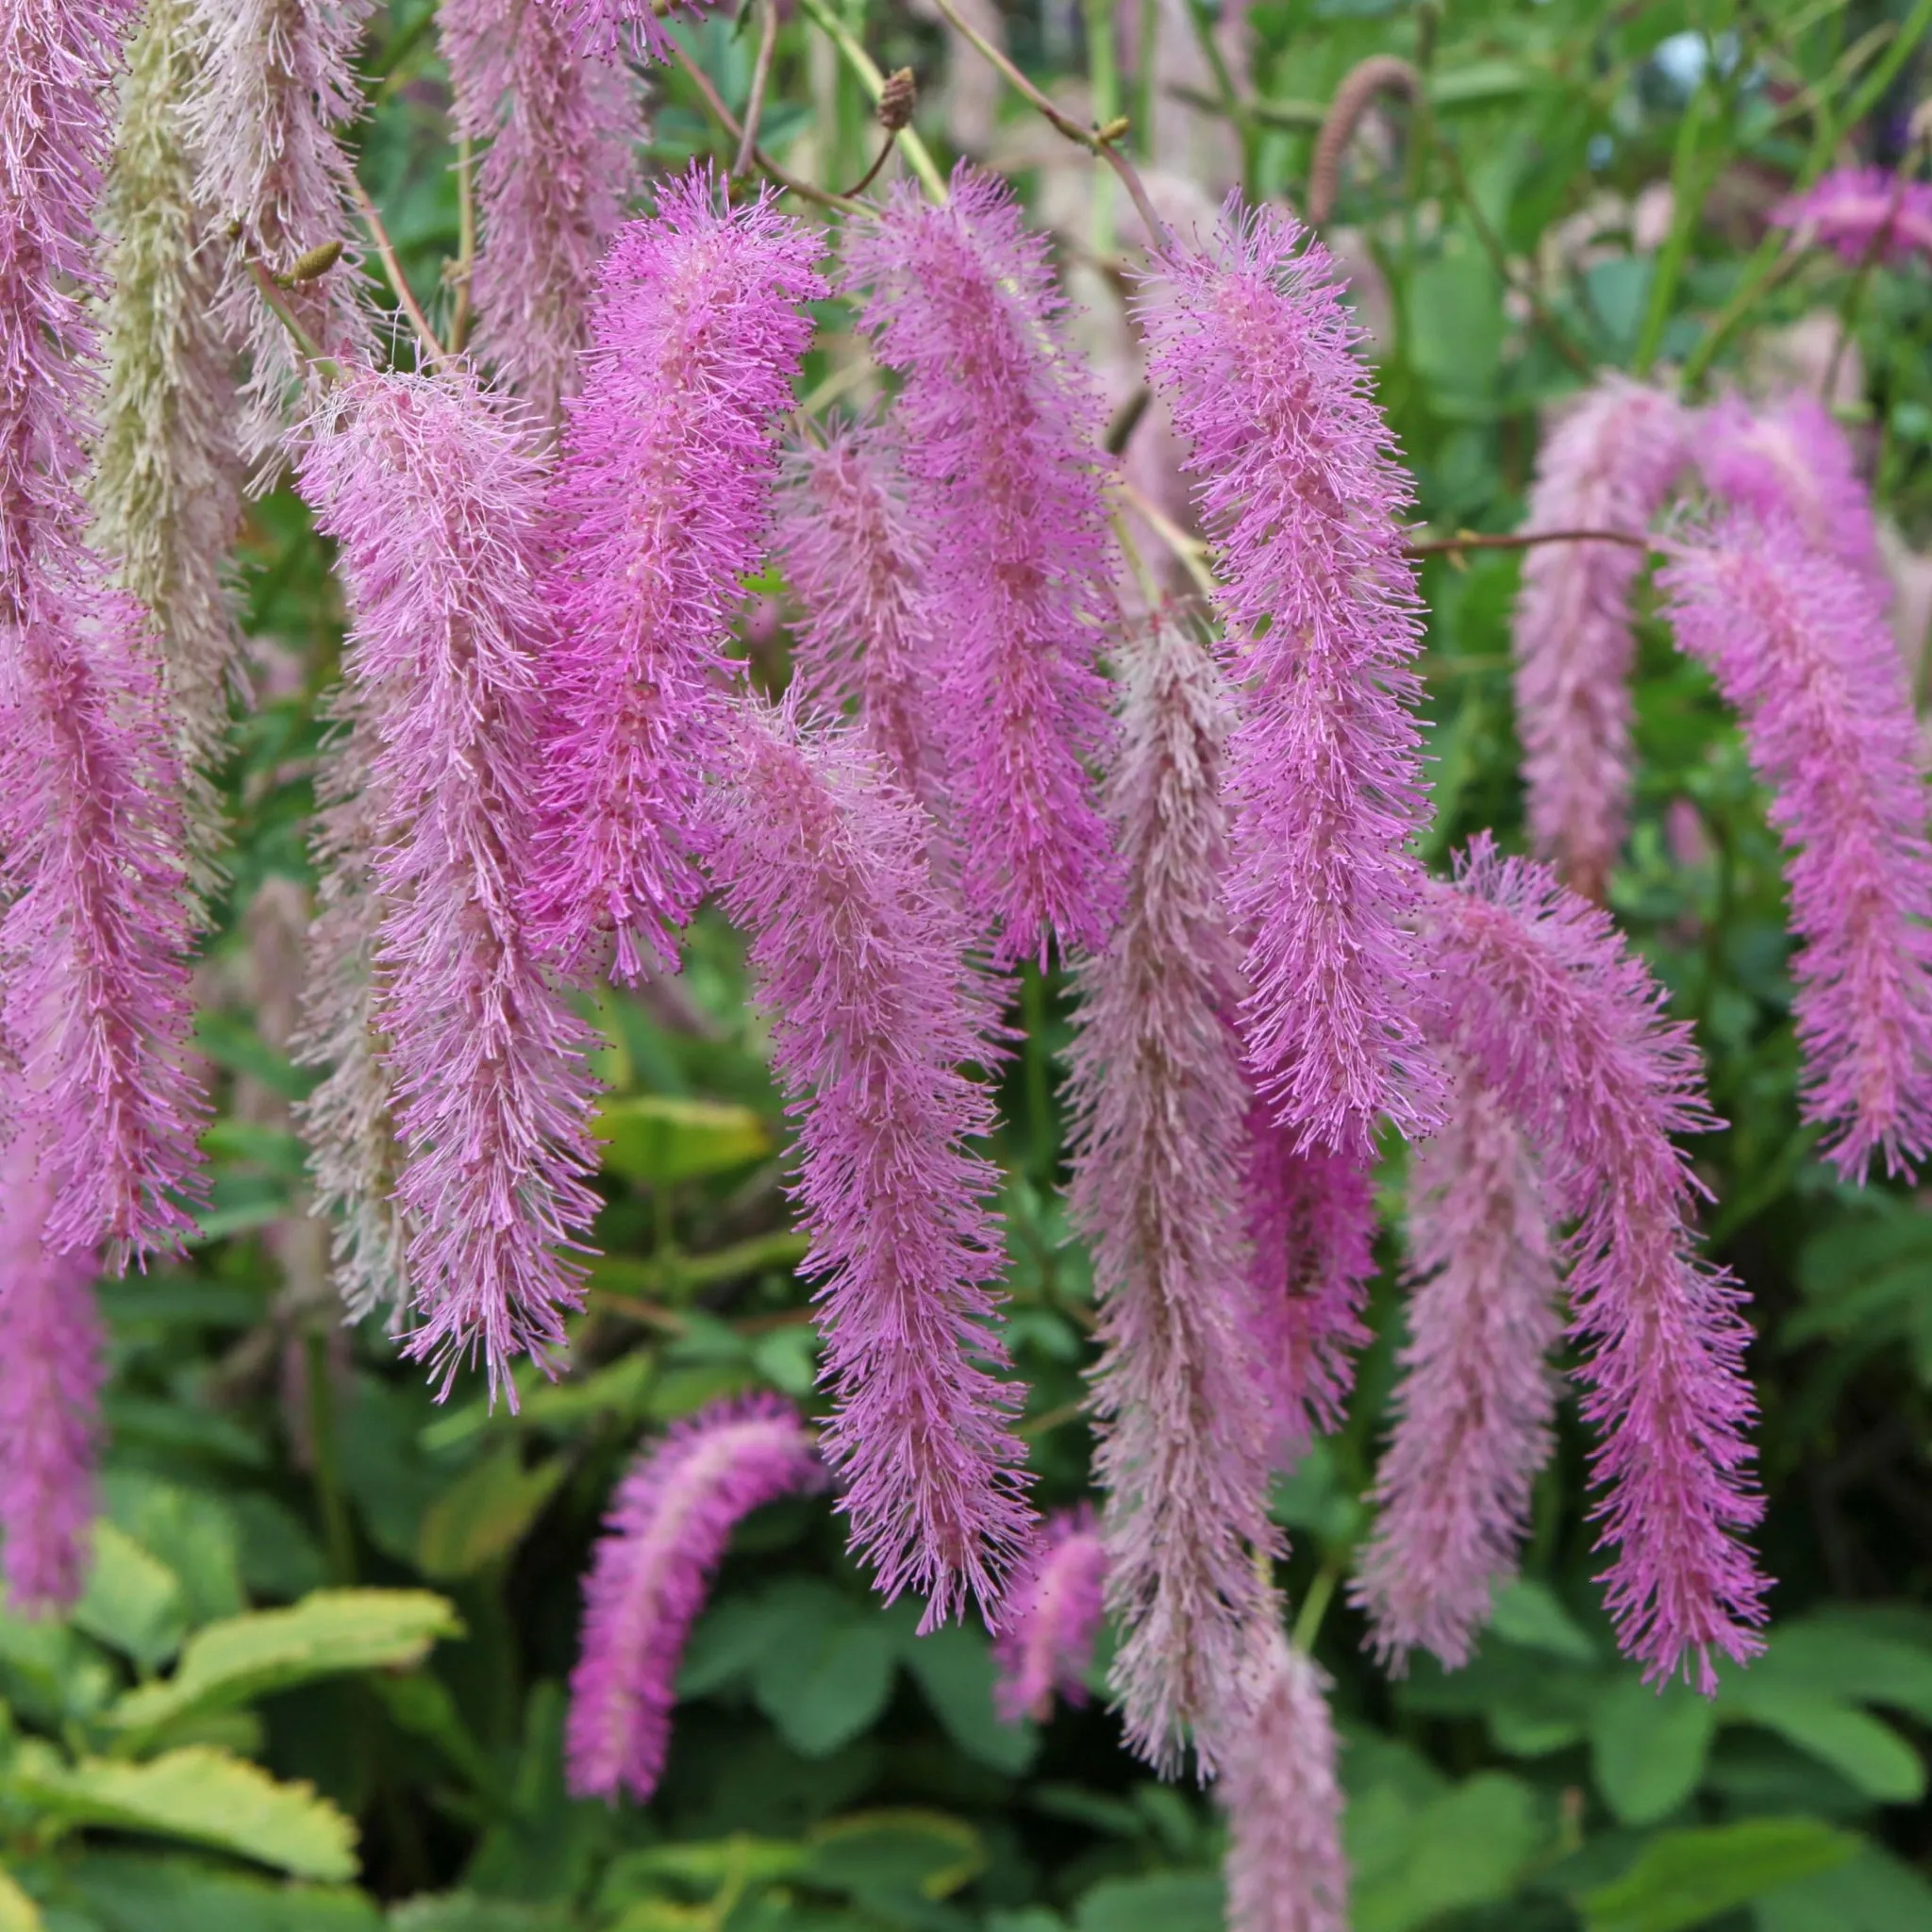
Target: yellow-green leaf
484 1513
199 1795
18 1913
658 1138
330 1631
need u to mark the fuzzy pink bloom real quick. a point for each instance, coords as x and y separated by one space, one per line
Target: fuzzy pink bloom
436 501
1158 1104
90 834
275 88
1565 1026
558 168
1054 1607
1300 489
658 510
51 1371
599 27
1863 211
861 966
1474 1407
667 1532
1312 1230
999 435
1607 465
857 557
1790 460
1285 1865
1800 646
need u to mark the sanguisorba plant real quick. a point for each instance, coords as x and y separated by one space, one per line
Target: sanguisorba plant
998 744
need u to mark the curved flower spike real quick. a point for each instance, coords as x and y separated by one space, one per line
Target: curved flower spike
1054 1606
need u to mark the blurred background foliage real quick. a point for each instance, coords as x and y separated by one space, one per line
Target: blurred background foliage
316 1682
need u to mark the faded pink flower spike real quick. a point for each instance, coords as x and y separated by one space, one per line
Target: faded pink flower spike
862 967
436 501
51 1372
558 167
90 833
1800 646
1858 210
659 510
857 557
1607 465
276 86
1300 491
1311 1233
599 27
1285 1864
1474 1403
1158 1104
1565 1026
1053 1605
664 1537
1000 432
1790 460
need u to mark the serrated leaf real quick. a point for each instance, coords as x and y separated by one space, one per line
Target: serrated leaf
245 1658
953 1669
128 1892
1466 1847
484 1513
18 1913
1858 1746
877 1857
201 1796
830 1679
1648 1747
661 1138
192 1532
1162 1902
1528 1615
133 1602
1683 1878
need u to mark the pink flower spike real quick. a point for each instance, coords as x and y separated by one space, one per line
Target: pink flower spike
436 501
657 511
1158 1105
1855 209
664 1537
1054 1606
1286 1868
1474 1407
51 1372
1311 1231
856 559
1301 493
1790 461
862 967
599 27
1564 1024
1607 465
1000 434
1799 644
558 167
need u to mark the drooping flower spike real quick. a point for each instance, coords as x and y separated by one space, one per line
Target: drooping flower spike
51 1371
664 1537
861 965
659 510
600 26
1000 431
557 128
1300 491
1045 1645
90 837
1158 1104
1564 1025
435 499
1607 465
1476 1396
856 556
1859 211
1800 646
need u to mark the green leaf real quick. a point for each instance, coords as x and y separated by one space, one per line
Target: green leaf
130 1893
1648 1747
18 1913
231 1041
1860 1747
200 1795
953 1667
192 1532
1685 1878
830 1676
1463 1848
659 1139
1454 311
1528 1615
1163 1902
133 1602
484 1513
463 1911
1871 1892
50 1671
880 1858
241 1659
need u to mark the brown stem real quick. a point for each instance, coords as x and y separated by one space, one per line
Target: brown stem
1096 140
872 174
1521 539
384 247
760 79
306 343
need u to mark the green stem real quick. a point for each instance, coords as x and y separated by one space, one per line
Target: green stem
1104 78
1686 205
917 155
1307 1626
338 1536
